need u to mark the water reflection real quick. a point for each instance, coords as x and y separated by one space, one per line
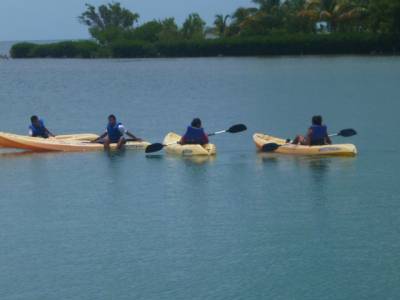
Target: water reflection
316 168
15 153
115 155
154 156
321 171
198 160
116 161
188 160
268 158
319 168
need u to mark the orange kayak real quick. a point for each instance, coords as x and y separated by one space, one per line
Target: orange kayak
72 143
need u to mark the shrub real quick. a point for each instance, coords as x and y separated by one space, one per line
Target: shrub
22 50
68 49
131 49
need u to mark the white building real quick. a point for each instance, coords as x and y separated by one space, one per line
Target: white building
322 27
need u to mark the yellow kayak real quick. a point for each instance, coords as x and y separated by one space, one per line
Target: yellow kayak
69 144
187 150
332 150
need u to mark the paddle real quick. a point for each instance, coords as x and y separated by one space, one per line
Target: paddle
271 147
345 133
234 129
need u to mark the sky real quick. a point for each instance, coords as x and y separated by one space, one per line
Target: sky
57 19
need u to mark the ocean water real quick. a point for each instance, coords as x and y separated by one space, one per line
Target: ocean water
124 225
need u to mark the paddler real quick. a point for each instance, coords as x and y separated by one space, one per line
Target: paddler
115 134
194 134
38 129
317 134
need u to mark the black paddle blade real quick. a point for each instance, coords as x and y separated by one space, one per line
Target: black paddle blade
237 128
154 148
347 132
270 147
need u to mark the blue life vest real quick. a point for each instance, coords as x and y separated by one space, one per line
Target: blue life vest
194 135
39 131
319 134
113 132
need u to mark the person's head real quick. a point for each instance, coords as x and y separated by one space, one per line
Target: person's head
317 120
35 121
112 119
196 123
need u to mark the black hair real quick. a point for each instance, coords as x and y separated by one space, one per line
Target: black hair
196 123
112 117
317 120
34 119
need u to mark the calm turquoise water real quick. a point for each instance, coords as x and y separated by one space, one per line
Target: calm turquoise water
241 226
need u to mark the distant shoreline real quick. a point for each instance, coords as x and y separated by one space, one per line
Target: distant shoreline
275 45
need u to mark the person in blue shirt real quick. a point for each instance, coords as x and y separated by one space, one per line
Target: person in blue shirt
38 129
194 134
115 134
317 134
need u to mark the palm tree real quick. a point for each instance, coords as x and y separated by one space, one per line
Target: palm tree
239 18
242 13
110 15
271 15
352 14
108 22
334 12
193 27
220 23
267 4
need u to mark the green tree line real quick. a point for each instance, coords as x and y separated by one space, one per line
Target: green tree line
292 26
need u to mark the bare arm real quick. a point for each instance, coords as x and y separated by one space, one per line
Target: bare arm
133 136
328 140
309 137
100 137
49 133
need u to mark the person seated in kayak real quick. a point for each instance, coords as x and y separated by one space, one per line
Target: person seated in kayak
317 134
194 134
38 129
115 134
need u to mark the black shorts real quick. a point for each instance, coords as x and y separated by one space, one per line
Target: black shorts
115 141
319 142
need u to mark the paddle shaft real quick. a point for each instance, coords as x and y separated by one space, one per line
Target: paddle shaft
330 135
217 132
